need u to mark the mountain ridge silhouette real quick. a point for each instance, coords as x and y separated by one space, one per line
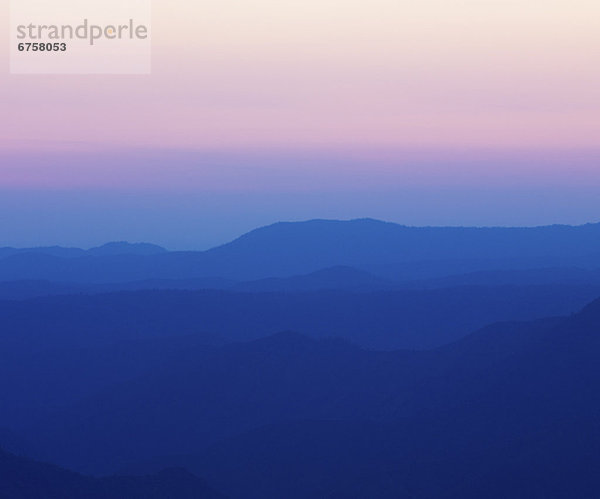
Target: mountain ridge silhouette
291 248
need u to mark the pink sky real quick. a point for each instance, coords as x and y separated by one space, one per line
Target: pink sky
333 74
325 96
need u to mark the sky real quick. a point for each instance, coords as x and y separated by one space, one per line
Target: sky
429 112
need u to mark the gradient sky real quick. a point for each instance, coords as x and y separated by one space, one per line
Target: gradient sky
424 112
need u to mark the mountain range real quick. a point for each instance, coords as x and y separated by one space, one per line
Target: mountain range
321 359
291 416
385 320
388 250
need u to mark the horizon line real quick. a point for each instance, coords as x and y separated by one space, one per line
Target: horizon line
300 222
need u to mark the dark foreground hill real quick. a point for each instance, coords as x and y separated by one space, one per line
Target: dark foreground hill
21 478
510 411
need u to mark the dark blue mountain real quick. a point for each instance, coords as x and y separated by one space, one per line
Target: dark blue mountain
25 289
323 243
382 319
22 290
507 381
21 478
291 248
287 249
333 278
511 411
377 390
522 277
